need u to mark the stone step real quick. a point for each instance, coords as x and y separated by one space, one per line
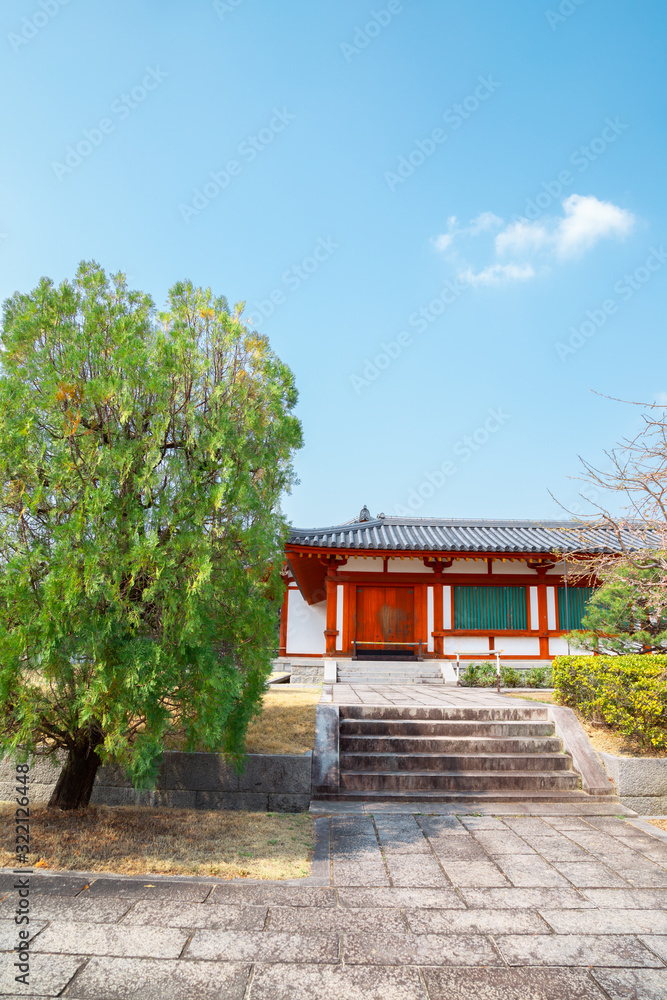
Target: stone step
450 713
448 744
488 799
443 763
377 681
469 782
448 727
389 679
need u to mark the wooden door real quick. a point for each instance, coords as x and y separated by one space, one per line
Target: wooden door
385 618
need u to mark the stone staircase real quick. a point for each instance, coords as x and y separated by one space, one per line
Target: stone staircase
388 672
442 753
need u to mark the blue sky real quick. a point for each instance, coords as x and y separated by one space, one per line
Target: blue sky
358 173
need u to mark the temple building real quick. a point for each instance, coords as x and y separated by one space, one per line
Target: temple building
439 589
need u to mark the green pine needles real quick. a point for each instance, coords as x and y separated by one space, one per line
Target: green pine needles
142 461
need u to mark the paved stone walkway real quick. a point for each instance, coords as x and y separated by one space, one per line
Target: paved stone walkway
400 906
420 694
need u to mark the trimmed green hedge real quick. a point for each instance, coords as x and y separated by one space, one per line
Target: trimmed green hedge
629 693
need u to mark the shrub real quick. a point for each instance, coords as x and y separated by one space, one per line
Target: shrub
629 693
478 675
487 675
470 676
509 677
538 677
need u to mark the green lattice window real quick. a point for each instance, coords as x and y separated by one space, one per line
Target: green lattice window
571 612
490 609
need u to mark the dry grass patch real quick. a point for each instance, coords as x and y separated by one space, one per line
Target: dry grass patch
132 840
287 724
662 823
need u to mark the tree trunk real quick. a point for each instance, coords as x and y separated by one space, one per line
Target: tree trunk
75 782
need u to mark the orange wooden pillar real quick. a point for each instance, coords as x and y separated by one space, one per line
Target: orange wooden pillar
542 614
438 633
282 642
331 632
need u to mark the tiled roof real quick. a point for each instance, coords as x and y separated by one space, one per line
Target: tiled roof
456 535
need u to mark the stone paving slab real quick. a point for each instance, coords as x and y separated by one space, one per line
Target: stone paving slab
271 894
498 842
558 848
362 873
477 873
96 911
439 899
588 874
269 946
527 871
164 913
628 898
335 982
606 922
415 870
144 979
9 932
510 984
49 974
475 922
421 949
633 984
577 949
111 939
342 920
148 888
657 943
531 898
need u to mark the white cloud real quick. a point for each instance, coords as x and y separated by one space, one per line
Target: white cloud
484 222
521 238
481 224
588 220
585 221
496 274
443 242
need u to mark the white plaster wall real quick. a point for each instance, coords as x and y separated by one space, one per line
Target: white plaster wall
557 570
467 644
446 607
408 565
468 566
558 647
340 590
429 619
305 625
551 607
534 610
510 566
363 564
518 645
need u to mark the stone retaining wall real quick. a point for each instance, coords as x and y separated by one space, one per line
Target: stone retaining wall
273 782
302 674
641 782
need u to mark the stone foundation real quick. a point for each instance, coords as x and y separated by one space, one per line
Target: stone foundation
302 674
641 782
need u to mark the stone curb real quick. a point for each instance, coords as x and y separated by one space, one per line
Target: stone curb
594 778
